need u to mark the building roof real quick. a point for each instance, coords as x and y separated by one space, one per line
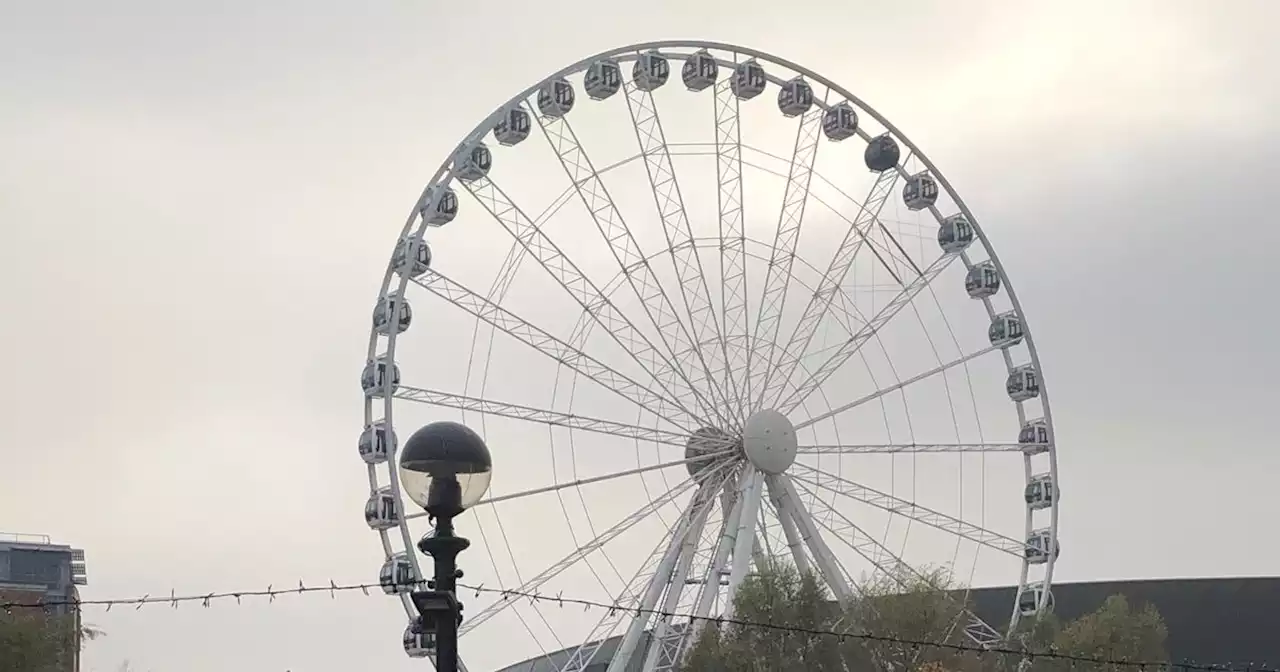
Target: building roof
1232 620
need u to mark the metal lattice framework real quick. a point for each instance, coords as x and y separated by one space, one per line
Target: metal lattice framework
710 301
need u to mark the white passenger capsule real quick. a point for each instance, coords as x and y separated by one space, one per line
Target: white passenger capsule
1034 437
373 379
1023 383
473 162
1005 330
1037 549
699 70
444 209
396 575
795 97
381 511
920 191
513 127
955 234
650 71
840 122
982 280
392 314
376 442
555 98
602 79
412 260
1040 493
748 80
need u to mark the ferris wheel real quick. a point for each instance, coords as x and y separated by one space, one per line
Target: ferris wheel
700 327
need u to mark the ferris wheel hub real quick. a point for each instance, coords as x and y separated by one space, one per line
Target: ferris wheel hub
769 441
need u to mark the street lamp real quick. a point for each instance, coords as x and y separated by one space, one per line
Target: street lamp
445 468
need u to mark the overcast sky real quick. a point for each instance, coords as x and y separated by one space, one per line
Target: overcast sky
198 201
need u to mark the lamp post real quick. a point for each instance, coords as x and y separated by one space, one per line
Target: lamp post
445 468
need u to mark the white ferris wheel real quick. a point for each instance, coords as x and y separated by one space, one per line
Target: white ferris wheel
699 327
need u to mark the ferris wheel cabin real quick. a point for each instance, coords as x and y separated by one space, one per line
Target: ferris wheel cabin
748 80
650 71
602 79
982 280
473 163
412 261
1037 548
882 153
1039 493
381 511
396 576
392 314
920 191
1034 437
513 127
699 70
1023 383
376 441
955 234
840 122
556 98
419 644
445 208
795 97
373 378
1029 599
1005 330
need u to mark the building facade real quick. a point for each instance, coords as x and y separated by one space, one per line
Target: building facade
34 570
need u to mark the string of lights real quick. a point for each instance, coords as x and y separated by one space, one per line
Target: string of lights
206 600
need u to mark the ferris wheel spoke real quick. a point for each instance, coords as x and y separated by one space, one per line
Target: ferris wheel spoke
626 251
667 583
541 415
590 480
886 502
695 293
639 597
528 587
787 502
815 380
777 277
538 339
889 566
898 386
855 238
575 283
732 243
915 448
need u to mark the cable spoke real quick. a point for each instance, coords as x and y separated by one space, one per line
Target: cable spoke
778 275
538 339
896 386
850 347
855 238
889 565
675 227
823 449
581 552
574 282
626 251
880 500
733 243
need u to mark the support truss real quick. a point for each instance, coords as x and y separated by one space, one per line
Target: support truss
585 292
541 415
671 330
733 244
777 277
886 502
543 342
850 347
855 238
837 448
675 227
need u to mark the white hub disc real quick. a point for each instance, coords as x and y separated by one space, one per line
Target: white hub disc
769 441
